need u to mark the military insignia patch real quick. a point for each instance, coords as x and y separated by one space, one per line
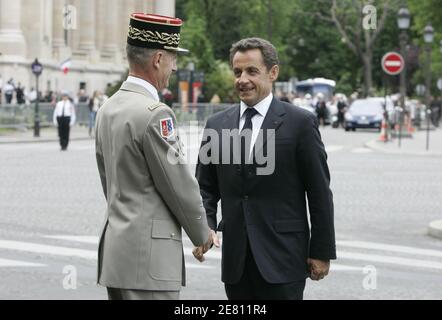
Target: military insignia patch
166 128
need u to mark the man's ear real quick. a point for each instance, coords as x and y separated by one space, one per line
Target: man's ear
157 59
274 72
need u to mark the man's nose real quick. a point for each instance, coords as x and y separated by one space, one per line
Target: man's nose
243 78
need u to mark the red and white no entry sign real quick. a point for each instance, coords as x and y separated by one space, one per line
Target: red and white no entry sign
392 63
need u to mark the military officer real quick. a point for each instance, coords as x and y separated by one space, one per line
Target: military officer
149 197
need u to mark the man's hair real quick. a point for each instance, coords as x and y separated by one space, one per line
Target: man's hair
137 56
268 51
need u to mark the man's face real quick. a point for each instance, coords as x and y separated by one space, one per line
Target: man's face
167 67
253 82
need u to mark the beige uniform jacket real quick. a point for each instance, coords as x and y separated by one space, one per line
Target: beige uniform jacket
149 198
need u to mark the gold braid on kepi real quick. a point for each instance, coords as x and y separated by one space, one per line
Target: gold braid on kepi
155 32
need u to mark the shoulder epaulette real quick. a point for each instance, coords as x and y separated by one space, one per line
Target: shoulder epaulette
156 105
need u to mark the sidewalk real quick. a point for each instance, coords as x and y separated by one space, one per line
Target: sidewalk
46 135
415 146
411 146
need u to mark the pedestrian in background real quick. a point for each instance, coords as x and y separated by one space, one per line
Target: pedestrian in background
342 108
9 91
321 109
64 118
94 105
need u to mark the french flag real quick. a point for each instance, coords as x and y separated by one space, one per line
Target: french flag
65 65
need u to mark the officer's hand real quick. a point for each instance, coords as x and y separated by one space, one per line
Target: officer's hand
318 268
198 252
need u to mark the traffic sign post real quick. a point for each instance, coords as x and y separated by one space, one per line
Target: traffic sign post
393 64
37 69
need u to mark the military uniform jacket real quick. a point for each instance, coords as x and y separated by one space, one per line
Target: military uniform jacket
149 198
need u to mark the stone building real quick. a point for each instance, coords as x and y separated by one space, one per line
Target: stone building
91 34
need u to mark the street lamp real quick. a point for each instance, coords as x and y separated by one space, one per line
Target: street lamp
403 22
428 38
403 19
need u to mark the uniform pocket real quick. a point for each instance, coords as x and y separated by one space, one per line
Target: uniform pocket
166 255
166 229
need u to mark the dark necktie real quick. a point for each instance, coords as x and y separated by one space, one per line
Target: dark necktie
250 112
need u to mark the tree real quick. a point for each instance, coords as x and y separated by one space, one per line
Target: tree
358 31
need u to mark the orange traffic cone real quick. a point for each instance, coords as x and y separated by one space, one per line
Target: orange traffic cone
410 127
383 137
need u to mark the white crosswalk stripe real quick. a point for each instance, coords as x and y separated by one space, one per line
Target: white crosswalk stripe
17 263
361 150
389 247
380 254
64 251
333 148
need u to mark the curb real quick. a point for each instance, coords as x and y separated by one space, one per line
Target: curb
435 229
374 145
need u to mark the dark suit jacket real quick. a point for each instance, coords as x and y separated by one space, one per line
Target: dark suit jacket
270 210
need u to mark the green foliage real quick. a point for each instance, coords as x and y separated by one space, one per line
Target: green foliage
308 45
220 82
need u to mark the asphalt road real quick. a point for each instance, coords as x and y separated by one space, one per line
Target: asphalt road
52 207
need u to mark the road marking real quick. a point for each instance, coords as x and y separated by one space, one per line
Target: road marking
17 263
390 260
361 150
66 251
343 267
82 239
47 249
389 247
333 148
216 254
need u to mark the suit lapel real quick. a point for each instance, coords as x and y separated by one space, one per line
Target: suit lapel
271 123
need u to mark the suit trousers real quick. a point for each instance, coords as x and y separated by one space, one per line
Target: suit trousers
130 294
63 130
252 286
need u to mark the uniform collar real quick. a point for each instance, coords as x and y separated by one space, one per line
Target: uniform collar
146 85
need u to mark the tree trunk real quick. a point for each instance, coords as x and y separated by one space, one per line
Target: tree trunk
368 80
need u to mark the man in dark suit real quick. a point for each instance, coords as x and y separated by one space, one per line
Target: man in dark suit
268 249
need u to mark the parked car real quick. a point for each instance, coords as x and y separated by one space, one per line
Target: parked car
366 113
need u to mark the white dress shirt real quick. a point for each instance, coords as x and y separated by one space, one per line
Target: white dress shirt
69 111
262 107
149 87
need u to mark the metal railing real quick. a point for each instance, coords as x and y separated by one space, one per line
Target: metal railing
15 116
22 116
